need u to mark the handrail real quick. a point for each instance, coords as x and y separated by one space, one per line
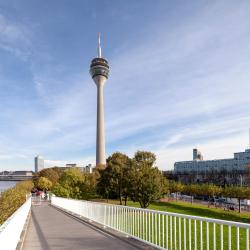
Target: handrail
194 217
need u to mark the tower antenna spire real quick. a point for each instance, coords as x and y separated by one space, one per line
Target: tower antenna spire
99 45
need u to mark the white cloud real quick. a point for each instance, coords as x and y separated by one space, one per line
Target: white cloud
15 37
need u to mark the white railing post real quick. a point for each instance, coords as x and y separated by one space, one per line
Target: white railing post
201 236
180 233
195 235
247 239
175 240
166 231
238 238
163 230
171 230
229 237
189 232
185 236
214 234
221 237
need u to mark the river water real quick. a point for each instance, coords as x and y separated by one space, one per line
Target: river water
6 184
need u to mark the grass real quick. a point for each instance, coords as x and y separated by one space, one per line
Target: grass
162 224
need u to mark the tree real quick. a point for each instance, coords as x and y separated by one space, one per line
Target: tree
44 184
192 190
51 174
237 192
115 177
175 187
210 190
103 186
75 184
146 181
60 191
145 158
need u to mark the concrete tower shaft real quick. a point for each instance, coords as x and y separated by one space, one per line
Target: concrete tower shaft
100 127
99 70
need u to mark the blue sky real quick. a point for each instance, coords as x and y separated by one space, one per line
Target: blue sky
179 79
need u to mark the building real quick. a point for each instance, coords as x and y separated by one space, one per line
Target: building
87 169
197 155
71 165
39 163
239 163
99 70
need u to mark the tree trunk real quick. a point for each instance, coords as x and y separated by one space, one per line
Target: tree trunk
141 204
125 200
120 196
239 205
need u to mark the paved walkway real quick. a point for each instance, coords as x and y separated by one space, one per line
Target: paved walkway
52 229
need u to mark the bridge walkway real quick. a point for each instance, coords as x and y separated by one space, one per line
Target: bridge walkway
52 229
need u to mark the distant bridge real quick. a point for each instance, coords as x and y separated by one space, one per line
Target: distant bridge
15 177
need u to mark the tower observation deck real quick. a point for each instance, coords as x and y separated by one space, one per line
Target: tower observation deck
99 71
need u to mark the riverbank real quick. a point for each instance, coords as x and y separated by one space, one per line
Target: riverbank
12 198
4 185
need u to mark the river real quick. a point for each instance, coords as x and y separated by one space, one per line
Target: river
6 184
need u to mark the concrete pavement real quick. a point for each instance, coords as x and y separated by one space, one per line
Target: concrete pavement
52 229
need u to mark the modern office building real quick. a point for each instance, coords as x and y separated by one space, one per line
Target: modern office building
240 162
99 70
39 163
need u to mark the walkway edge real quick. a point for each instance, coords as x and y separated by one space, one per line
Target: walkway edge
24 232
121 236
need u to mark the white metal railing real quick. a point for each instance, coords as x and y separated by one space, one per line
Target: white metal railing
11 230
163 229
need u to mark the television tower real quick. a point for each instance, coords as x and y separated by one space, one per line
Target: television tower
99 70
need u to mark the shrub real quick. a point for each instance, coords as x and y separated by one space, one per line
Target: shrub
13 198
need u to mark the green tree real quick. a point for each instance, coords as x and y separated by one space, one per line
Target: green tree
44 184
210 190
145 158
51 174
115 177
147 183
75 184
103 186
237 192
192 190
60 191
175 187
